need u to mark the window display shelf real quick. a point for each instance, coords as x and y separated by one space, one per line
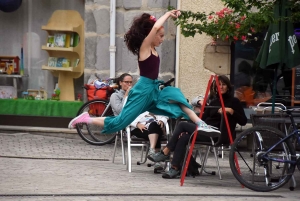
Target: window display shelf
64 49
68 69
55 28
62 24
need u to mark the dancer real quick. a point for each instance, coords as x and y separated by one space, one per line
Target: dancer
144 35
147 126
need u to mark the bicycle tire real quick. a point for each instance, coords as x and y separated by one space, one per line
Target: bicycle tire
259 174
91 133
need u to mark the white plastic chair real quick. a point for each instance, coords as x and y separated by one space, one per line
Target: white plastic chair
135 142
265 107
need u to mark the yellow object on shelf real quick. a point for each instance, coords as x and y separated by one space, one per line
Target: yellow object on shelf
10 69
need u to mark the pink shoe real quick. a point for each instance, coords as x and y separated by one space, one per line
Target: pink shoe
83 118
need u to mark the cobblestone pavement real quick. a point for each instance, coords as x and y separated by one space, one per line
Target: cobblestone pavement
41 167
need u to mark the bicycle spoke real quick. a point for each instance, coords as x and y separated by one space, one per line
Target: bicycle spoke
91 133
259 169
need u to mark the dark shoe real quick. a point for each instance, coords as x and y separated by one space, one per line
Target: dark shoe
151 152
158 168
171 174
158 157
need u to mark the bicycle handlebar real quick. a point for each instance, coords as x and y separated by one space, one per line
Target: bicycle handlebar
168 83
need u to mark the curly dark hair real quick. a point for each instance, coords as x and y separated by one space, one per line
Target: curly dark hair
140 28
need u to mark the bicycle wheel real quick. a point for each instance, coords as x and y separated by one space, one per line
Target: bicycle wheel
91 133
255 172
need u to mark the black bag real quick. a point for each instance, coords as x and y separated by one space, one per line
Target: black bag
193 167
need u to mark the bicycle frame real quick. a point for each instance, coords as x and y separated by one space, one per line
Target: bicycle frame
106 109
295 132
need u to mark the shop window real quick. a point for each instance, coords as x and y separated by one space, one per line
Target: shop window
251 83
22 36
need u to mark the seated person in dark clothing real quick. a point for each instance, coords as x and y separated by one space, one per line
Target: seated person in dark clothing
211 116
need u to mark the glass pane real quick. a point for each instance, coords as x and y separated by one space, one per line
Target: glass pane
22 29
254 85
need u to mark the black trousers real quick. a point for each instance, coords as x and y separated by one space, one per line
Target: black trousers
153 128
180 139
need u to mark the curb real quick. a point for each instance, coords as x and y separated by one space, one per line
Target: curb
38 129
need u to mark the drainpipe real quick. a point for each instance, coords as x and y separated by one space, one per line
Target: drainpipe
177 49
112 45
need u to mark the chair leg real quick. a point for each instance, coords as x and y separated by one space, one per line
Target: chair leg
123 150
222 152
115 147
129 150
143 158
217 162
198 153
204 160
142 153
292 183
167 166
129 158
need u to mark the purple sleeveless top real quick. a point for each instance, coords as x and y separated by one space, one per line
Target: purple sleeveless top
150 67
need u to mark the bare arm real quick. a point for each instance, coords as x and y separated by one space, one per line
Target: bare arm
146 45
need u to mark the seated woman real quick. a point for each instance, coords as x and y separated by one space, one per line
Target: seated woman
146 125
211 116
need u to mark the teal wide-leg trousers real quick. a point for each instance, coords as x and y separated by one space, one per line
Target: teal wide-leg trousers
146 96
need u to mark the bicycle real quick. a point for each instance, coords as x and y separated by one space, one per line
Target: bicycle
266 157
97 106
91 133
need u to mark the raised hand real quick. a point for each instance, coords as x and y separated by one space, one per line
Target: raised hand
174 13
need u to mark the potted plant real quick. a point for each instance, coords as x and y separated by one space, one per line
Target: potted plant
239 20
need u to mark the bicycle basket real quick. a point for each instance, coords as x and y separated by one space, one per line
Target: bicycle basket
92 92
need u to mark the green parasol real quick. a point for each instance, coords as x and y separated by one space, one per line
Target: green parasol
280 44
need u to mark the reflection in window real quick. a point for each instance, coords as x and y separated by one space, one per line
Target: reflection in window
252 84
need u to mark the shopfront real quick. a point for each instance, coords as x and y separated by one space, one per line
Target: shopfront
28 83
37 33
253 84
